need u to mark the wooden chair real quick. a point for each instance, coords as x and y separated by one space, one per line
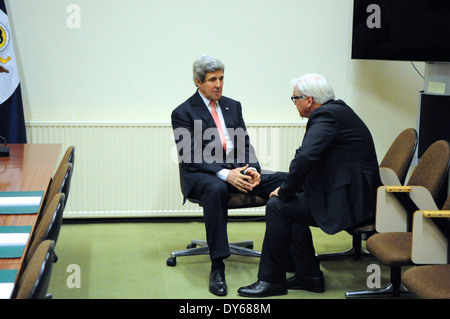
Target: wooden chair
60 183
48 226
243 248
68 157
393 171
34 281
61 180
430 246
392 246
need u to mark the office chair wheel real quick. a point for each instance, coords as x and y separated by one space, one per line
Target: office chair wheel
190 246
171 261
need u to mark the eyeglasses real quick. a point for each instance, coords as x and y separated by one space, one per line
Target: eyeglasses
293 98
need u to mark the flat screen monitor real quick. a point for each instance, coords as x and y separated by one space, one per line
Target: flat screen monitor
434 119
405 30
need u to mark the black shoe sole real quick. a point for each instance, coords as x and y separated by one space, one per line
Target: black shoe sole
281 293
317 290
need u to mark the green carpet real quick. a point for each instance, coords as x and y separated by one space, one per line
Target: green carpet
128 260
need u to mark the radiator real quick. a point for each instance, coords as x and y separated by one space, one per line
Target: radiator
130 169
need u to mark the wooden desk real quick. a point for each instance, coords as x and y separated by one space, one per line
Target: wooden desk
29 167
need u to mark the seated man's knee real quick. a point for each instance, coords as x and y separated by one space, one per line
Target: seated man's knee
272 206
217 189
273 203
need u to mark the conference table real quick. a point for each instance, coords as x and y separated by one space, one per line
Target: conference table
24 176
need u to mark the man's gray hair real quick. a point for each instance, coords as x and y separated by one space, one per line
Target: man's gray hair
204 65
315 85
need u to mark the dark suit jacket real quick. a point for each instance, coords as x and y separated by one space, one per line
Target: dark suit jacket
336 167
198 143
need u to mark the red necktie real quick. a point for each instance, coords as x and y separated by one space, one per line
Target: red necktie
219 126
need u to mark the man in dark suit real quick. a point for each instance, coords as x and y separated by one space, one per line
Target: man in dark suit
216 159
331 184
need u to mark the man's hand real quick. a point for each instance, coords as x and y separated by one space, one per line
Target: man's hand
274 193
239 180
3 70
255 177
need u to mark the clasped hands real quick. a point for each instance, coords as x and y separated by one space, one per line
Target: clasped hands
244 182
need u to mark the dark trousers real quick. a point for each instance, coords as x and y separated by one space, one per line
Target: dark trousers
214 195
288 241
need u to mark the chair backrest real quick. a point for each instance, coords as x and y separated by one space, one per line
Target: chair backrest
432 171
446 205
48 226
60 183
34 281
68 157
54 230
400 154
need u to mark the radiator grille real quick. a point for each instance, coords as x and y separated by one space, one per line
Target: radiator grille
130 169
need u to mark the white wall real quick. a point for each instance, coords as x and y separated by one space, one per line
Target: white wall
131 60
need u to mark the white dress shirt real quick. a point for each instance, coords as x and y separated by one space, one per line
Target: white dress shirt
223 173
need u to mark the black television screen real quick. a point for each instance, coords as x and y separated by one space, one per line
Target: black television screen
434 117
405 30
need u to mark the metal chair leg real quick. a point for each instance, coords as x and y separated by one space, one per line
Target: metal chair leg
242 248
394 289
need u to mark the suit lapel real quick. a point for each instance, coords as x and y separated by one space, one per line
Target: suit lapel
203 112
201 109
227 115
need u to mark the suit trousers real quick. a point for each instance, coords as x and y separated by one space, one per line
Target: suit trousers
288 240
214 194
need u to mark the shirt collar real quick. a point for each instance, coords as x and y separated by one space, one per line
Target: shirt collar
206 101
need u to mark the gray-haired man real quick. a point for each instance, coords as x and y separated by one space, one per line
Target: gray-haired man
218 163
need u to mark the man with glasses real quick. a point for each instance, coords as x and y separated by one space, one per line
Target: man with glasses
331 184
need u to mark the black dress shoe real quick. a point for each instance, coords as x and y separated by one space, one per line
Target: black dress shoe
309 283
217 284
263 289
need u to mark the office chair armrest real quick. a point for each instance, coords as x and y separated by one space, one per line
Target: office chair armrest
429 244
391 216
436 213
398 189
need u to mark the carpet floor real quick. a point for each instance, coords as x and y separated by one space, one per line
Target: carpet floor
127 260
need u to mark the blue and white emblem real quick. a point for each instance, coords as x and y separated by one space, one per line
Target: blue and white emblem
9 75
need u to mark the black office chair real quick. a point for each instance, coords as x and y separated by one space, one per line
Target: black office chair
243 248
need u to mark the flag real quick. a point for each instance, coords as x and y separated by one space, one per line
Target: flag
12 121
